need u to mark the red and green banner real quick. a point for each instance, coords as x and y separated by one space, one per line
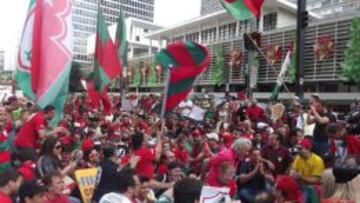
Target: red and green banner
106 65
45 53
5 155
120 40
184 61
243 9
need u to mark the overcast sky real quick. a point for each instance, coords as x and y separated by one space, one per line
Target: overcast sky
12 16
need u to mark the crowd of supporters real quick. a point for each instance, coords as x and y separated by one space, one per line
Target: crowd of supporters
272 152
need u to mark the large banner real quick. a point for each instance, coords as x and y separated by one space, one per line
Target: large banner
86 179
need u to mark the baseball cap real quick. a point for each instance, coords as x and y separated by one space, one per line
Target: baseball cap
31 188
213 136
305 143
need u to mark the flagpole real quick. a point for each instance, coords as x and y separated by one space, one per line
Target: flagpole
166 89
268 62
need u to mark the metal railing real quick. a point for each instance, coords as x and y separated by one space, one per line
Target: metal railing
328 69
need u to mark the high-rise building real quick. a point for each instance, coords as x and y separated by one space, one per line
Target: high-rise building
2 61
210 6
84 19
320 7
332 7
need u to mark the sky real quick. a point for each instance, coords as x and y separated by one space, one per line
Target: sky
12 16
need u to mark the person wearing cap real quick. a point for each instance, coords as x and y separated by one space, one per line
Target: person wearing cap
33 130
32 191
287 190
10 181
307 166
319 116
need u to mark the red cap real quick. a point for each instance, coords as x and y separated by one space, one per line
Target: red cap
87 144
196 132
289 187
305 143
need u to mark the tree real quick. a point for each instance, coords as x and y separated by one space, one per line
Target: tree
351 65
75 78
218 77
152 74
137 74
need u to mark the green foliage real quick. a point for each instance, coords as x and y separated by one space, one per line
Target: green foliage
291 73
218 77
137 74
351 65
152 74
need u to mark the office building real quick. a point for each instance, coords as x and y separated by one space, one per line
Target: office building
84 20
2 61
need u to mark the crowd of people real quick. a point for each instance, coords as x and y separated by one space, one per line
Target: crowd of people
276 152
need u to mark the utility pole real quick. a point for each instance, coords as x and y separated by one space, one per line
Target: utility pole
302 23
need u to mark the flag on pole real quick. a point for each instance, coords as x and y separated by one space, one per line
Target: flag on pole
284 68
45 53
243 9
184 61
106 65
120 40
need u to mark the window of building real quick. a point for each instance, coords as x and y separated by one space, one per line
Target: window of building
193 37
270 21
178 39
227 31
208 35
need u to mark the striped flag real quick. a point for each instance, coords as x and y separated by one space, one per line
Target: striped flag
120 40
243 9
45 53
284 68
106 65
184 61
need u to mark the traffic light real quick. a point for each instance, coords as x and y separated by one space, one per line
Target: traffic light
304 19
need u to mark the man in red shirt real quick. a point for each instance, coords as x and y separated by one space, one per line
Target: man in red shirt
56 186
10 181
34 129
147 156
254 111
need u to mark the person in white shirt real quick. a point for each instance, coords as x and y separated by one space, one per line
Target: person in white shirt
127 188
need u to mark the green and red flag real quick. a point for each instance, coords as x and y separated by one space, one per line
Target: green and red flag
120 40
5 155
106 64
285 68
243 9
45 53
184 61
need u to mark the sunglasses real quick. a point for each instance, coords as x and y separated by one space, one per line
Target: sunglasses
58 147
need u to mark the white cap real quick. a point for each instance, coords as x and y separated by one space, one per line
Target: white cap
213 136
